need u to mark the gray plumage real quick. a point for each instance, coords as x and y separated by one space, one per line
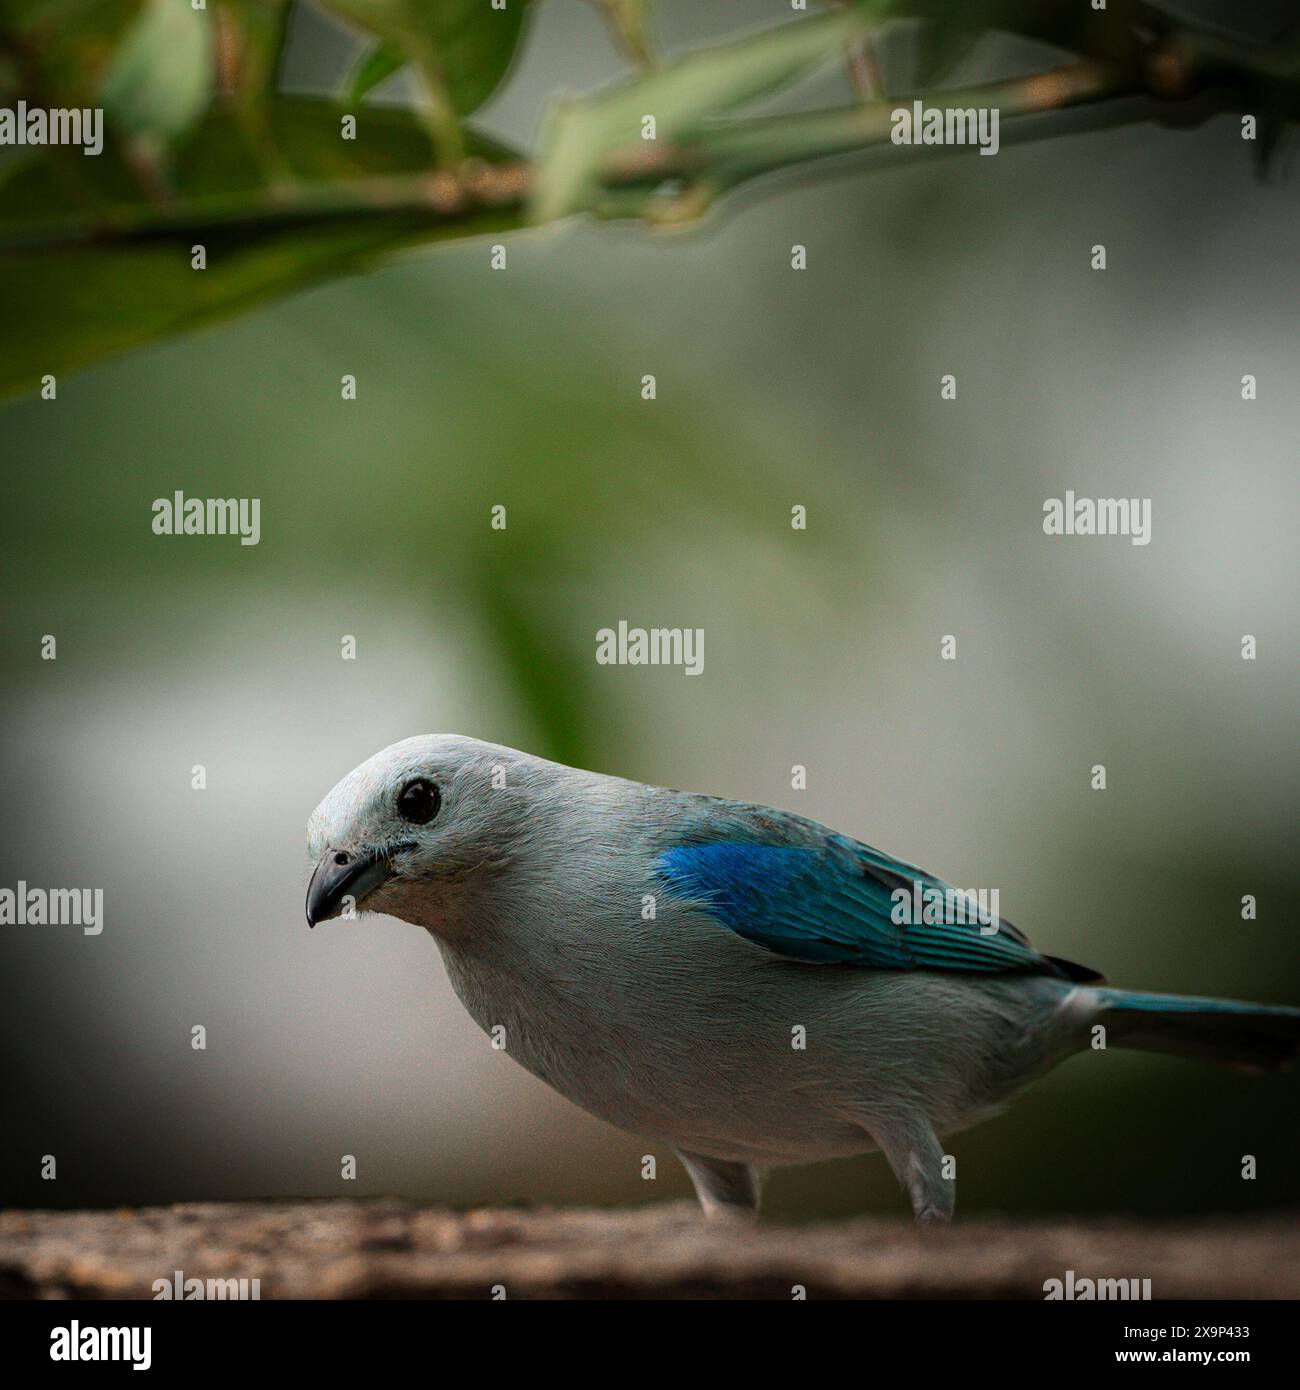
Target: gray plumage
533 880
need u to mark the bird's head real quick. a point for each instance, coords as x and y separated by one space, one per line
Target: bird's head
403 831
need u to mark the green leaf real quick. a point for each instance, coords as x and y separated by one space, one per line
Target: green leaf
939 48
62 46
83 296
379 62
540 669
85 304
583 137
470 43
254 34
263 31
627 18
162 75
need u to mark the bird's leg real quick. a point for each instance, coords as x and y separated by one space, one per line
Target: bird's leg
725 1189
917 1158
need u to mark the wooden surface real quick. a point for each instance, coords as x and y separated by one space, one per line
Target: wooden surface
383 1249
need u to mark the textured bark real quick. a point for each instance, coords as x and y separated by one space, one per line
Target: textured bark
388 1249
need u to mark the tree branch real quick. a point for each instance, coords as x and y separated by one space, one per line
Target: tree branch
695 172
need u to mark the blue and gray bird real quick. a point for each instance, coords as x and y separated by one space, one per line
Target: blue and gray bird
725 978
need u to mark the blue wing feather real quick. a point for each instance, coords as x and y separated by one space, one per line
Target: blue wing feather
828 898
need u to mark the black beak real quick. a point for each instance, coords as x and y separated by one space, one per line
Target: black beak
340 876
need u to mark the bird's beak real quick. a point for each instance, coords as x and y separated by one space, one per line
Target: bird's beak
344 874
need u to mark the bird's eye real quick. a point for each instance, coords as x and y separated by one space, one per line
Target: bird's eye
418 801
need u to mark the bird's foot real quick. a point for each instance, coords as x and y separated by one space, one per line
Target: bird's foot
735 1215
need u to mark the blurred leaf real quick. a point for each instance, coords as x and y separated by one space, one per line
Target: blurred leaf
262 29
251 37
939 48
278 199
216 164
381 61
627 18
581 136
59 49
470 42
84 303
540 668
81 298
162 75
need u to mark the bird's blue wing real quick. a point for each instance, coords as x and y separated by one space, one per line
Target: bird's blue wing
835 900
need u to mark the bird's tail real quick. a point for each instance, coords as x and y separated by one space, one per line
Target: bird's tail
1257 1036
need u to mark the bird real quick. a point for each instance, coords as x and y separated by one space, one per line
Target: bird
724 978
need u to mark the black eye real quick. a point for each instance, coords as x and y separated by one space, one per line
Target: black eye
418 801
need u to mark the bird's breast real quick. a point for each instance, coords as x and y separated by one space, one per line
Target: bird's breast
730 1050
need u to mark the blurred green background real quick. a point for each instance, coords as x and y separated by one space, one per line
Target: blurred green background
775 387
